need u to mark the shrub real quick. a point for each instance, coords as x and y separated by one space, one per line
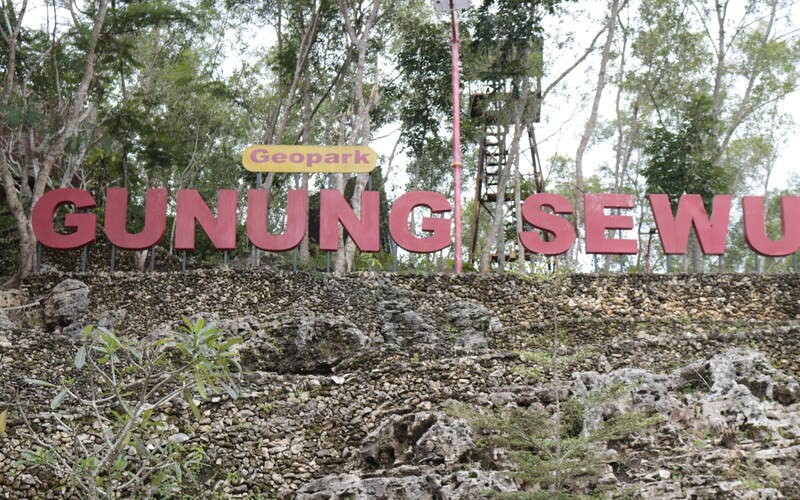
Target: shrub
119 443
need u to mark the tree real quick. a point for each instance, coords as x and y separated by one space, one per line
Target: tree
39 118
682 161
360 18
113 98
741 56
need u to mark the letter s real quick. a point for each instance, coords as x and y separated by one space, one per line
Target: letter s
563 231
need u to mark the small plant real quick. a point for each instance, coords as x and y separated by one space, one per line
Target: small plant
751 483
233 477
550 448
549 453
122 446
538 364
266 408
299 396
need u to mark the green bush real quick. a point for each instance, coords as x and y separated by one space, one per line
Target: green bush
123 445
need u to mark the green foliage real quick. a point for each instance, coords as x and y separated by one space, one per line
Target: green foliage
685 160
424 62
550 452
179 90
501 31
123 384
537 364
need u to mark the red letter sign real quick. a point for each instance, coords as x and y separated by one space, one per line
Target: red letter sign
563 232
597 222
439 227
333 208
155 219
221 230
85 225
674 232
755 231
296 220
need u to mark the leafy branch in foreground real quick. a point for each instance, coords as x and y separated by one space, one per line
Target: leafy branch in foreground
114 440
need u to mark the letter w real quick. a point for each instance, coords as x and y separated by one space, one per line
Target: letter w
674 232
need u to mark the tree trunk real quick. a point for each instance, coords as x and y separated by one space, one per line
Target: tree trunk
360 131
696 253
340 263
493 239
745 106
306 139
591 123
277 124
721 50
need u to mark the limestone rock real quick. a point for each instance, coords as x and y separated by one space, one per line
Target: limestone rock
6 324
11 298
475 484
375 488
112 319
408 483
305 342
471 342
469 314
668 489
641 391
739 387
472 321
405 327
417 438
751 369
287 429
11 312
67 302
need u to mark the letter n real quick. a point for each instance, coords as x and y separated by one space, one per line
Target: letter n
257 220
335 209
221 230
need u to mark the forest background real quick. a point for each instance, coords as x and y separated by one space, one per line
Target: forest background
634 96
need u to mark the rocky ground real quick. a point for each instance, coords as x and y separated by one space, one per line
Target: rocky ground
347 381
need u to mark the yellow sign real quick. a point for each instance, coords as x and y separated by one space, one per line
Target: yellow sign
309 159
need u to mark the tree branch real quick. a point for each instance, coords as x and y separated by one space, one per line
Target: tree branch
577 63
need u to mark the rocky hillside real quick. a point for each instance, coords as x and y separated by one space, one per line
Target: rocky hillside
348 384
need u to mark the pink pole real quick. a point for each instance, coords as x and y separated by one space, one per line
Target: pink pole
456 133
